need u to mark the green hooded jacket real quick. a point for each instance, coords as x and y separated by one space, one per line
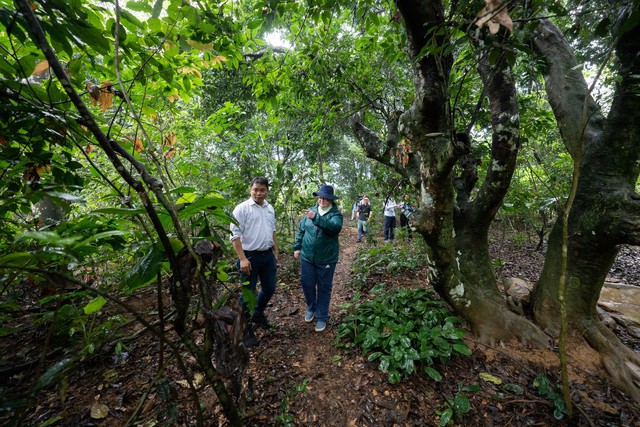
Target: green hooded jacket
317 238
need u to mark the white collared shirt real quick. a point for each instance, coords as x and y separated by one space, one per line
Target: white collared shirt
390 207
256 225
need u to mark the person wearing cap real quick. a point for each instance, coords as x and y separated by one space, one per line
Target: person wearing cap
317 247
254 240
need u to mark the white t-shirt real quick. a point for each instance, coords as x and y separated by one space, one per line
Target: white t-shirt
256 225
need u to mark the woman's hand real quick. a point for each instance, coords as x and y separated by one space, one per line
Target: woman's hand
296 254
309 214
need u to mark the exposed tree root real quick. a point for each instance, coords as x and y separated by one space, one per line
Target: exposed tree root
620 362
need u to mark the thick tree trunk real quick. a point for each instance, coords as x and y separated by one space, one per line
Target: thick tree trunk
457 235
606 211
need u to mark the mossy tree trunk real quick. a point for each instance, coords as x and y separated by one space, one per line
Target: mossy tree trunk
606 209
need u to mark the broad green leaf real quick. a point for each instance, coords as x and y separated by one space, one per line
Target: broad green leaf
103 235
16 259
139 6
445 417
200 205
53 374
187 198
121 211
49 238
147 270
461 403
94 305
433 373
249 297
462 349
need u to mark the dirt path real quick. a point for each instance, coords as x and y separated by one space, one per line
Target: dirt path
293 354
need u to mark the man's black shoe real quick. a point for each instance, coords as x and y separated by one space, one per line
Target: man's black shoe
261 320
251 341
249 338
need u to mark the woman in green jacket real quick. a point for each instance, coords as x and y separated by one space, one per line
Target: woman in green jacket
317 247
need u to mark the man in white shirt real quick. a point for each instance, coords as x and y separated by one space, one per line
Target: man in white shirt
254 241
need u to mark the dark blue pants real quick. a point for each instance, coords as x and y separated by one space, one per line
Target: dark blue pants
317 284
263 267
389 227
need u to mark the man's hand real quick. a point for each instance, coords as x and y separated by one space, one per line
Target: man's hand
245 266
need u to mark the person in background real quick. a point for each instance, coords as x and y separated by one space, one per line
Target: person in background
254 241
405 214
354 210
364 215
389 208
317 247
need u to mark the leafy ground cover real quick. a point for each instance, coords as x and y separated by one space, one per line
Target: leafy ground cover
299 377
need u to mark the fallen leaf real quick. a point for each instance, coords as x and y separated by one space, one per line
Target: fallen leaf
99 411
490 378
183 383
198 379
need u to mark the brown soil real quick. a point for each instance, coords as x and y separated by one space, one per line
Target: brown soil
296 376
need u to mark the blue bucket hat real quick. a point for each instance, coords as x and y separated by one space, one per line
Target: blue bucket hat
325 191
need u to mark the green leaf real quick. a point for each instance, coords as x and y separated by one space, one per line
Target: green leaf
131 18
94 305
52 375
147 270
103 235
187 198
445 417
461 403
120 211
462 349
200 205
435 375
16 259
374 356
256 23
139 6
249 297
49 238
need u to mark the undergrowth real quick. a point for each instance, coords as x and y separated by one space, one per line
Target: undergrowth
405 330
385 260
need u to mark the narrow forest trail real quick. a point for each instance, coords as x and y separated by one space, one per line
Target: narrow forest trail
292 354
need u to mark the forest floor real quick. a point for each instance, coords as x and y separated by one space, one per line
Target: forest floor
297 377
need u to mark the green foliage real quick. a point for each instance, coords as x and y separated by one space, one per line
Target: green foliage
455 408
284 418
553 393
384 259
406 330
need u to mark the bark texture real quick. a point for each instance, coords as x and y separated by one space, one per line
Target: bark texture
606 211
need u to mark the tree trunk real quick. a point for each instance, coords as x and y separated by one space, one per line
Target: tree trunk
606 210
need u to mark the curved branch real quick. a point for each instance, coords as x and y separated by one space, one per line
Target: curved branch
41 41
500 88
567 89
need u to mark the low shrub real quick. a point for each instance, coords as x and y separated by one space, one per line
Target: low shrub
405 330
